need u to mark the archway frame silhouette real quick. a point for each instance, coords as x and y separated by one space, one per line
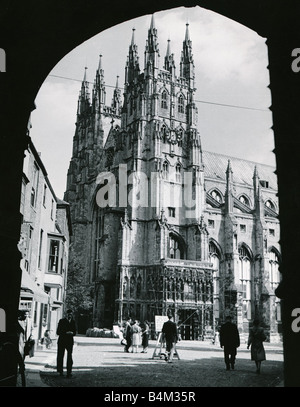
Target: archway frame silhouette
37 35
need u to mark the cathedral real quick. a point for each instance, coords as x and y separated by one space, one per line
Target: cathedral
159 223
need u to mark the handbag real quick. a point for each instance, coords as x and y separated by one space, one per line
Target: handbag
123 342
29 347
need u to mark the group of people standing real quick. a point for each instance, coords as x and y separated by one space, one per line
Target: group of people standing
136 335
230 341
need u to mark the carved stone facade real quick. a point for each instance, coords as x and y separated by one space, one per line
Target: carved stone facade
160 223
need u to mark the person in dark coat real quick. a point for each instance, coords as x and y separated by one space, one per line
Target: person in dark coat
170 336
66 330
145 337
255 340
230 341
128 334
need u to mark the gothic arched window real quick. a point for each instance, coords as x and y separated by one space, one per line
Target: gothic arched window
98 222
180 104
216 195
175 248
274 269
178 173
165 170
164 99
270 204
245 280
164 133
244 200
132 287
139 287
214 258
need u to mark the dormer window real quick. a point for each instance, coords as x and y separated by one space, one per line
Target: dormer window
264 184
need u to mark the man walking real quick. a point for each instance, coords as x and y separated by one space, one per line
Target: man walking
66 330
170 335
230 340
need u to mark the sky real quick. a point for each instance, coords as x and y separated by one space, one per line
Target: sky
232 79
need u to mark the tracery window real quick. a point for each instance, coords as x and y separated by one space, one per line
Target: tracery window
99 231
175 248
245 280
139 287
164 98
132 287
180 104
214 258
165 170
274 269
178 173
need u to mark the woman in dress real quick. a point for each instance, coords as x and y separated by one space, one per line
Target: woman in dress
145 337
136 336
256 338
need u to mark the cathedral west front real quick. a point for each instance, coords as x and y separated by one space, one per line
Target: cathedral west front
159 222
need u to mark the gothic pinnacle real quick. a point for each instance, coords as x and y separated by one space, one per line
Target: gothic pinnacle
187 33
100 63
132 38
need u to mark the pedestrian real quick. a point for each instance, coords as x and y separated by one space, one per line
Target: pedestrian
21 346
255 339
136 336
47 339
66 330
145 336
127 334
26 333
170 336
230 341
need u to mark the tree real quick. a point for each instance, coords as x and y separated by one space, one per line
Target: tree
78 294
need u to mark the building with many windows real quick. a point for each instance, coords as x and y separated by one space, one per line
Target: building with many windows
44 245
158 222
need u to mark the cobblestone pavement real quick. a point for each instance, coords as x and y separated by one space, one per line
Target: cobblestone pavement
101 362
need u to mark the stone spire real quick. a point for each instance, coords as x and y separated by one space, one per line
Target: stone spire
152 51
187 68
116 101
132 69
99 86
169 60
84 95
229 189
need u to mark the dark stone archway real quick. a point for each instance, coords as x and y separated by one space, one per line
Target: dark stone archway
36 35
